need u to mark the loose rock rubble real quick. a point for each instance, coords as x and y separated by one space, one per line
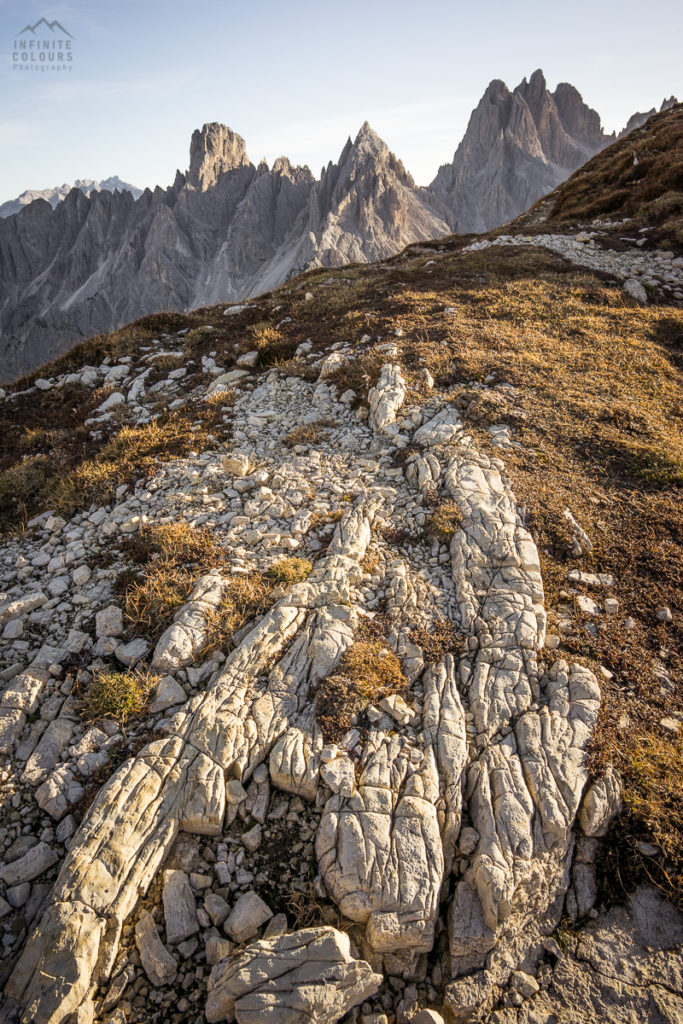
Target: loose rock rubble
439 832
642 272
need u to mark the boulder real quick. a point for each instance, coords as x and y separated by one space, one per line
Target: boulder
303 977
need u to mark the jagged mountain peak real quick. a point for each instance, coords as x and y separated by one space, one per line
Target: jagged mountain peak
639 119
518 146
495 90
55 195
535 86
367 136
214 150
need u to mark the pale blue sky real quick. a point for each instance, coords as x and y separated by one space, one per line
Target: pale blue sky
298 77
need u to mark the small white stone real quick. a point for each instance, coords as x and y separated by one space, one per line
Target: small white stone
586 605
13 630
81 575
128 654
635 289
246 917
109 621
252 838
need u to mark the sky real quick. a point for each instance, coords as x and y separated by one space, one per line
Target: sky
298 78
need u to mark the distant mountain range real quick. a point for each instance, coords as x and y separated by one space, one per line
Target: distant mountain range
59 192
227 229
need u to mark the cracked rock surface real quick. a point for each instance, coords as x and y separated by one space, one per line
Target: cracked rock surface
419 858
308 975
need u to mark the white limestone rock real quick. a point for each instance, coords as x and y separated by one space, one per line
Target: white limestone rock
180 910
635 290
36 861
160 966
601 803
305 976
246 917
109 621
168 693
182 641
386 399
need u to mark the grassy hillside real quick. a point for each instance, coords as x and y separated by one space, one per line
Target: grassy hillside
638 179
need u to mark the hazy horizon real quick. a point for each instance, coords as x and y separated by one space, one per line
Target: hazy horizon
298 81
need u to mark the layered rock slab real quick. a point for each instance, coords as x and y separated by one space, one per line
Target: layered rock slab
304 977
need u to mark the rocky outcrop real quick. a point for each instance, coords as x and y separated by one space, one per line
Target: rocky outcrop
625 967
214 150
306 976
182 642
518 146
180 782
443 822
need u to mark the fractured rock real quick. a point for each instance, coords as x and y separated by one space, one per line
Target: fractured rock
246 917
601 803
180 911
386 399
301 977
38 859
159 964
180 643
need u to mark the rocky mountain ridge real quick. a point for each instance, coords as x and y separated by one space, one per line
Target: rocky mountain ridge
60 192
227 230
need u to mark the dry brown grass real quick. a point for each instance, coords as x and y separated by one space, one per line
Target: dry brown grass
244 598
129 455
307 433
368 671
307 910
655 790
290 570
359 374
639 177
273 346
124 341
169 559
652 767
295 367
443 522
371 561
66 469
437 640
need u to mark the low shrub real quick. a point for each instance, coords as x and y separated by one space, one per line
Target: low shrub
117 695
290 570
